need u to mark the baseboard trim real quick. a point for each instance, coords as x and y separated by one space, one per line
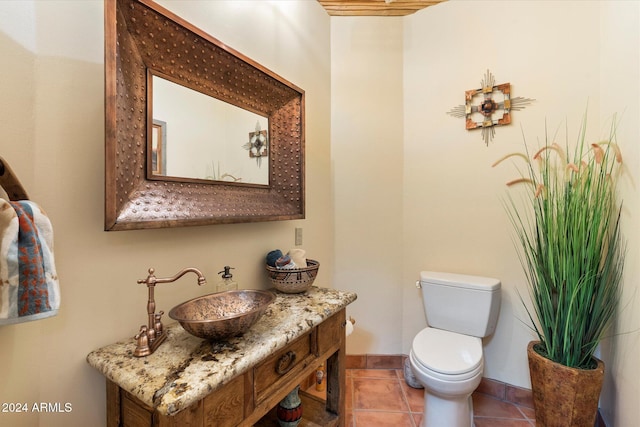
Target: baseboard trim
506 392
375 361
494 388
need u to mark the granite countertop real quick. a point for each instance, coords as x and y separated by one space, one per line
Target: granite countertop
184 369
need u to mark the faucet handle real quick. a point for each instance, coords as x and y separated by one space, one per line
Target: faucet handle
158 323
151 278
142 343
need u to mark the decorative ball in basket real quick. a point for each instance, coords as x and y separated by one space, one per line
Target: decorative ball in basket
295 280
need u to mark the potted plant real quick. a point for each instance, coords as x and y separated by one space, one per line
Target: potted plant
571 249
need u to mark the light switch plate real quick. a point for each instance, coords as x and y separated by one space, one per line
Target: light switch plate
298 236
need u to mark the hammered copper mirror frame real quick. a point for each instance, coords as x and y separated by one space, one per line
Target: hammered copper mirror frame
142 36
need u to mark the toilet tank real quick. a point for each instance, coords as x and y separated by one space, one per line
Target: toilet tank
460 303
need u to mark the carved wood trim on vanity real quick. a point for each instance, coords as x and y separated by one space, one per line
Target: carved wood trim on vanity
250 398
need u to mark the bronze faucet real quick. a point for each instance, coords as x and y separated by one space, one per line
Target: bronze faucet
152 335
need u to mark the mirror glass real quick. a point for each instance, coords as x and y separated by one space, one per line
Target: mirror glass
199 137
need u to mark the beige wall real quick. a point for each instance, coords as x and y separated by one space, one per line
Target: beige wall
565 55
619 69
401 187
52 133
366 141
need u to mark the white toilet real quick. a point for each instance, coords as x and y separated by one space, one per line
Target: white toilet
447 357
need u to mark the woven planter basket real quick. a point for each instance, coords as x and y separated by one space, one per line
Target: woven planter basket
563 396
296 280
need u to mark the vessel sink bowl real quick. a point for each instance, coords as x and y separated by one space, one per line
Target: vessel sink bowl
223 314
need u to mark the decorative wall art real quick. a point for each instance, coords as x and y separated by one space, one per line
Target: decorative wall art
489 106
258 144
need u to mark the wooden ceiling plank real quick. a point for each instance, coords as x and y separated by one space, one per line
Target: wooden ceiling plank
375 7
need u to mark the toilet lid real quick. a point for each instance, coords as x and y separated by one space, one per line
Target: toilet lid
447 352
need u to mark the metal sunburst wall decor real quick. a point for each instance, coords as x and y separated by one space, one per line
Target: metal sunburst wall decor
258 144
483 109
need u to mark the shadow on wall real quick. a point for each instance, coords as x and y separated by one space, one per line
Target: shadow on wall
17 107
360 338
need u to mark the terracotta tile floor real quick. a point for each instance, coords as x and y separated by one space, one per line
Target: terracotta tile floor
381 398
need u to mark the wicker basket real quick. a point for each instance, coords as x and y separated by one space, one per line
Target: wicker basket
295 280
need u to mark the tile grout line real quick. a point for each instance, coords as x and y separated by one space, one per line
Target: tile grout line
523 414
352 397
405 397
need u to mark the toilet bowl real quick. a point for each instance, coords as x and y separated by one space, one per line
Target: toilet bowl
446 357
449 366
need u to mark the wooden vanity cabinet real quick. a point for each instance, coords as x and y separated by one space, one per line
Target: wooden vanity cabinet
250 398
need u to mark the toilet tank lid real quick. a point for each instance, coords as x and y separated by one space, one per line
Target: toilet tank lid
461 280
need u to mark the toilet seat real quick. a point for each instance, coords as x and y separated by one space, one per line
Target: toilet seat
448 355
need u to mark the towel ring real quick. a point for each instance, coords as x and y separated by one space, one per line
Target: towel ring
10 182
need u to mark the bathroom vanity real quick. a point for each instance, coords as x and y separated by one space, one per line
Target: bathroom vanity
239 381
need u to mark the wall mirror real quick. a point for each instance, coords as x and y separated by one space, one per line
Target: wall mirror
196 133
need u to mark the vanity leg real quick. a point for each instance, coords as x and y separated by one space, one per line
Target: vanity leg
336 383
113 404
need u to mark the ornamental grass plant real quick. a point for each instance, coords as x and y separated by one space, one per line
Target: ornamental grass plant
568 232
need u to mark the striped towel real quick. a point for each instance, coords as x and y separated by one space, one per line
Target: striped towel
29 288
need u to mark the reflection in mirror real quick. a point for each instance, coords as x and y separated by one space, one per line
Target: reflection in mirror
158 148
199 137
